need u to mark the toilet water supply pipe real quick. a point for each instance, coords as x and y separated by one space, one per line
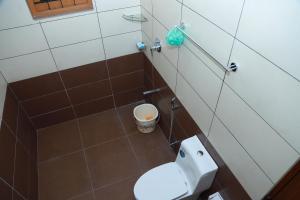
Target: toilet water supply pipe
174 107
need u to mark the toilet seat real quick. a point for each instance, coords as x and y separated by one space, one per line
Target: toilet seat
164 182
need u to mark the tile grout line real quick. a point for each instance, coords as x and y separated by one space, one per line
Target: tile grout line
85 102
66 45
15 153
50 112
58 71
277 66
19 101
25 54
37 164
70 17
12 189
81 85
11 132
177 64
105 55
263 119
15 157
62 82
79 150
85 160
128 140
258 165
224 82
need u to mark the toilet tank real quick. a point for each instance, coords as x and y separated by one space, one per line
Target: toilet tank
196 163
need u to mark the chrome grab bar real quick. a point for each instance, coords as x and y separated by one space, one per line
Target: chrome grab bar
232 67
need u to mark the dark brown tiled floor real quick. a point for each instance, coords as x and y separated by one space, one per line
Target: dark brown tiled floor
97 157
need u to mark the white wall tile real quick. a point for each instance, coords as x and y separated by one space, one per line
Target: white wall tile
160 32
21 40
147 27
147 4
72 30
165 69
112 22
121 45
272 28
209 62
78 54
269 150
201 78
3 86
103 5
251 177
167 12
14 13
214 40
225 14
271 92
199 111
27 66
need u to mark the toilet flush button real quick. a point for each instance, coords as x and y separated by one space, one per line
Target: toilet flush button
200 153
182 154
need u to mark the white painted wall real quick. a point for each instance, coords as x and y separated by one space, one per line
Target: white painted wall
255 125
30 48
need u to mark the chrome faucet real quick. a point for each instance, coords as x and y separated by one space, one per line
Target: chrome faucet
156 46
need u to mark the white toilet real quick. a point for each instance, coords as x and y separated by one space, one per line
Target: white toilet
193 172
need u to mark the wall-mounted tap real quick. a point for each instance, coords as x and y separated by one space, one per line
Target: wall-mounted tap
156 46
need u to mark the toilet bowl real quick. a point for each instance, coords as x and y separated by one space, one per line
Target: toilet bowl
193 172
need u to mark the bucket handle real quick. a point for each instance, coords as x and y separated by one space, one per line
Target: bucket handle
157 119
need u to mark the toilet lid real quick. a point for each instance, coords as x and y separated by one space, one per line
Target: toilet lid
164 182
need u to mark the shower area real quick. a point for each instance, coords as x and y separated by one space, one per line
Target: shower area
72 71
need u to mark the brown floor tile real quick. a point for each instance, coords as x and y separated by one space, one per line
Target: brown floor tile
10 112
27 134
148 83
84 74
127 118
125 64
128 81
86 196
154 157
63 178
16 196
146 142
148 67
111 162
52 118
5 191
95 106
33 190
39 86
128 97
22 171
90 92
100 127
118 191
46 103
186 122
7 154
58 140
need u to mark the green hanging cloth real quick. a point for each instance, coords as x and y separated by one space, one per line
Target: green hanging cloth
175 37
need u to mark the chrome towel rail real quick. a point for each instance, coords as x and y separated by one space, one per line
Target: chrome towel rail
232 67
